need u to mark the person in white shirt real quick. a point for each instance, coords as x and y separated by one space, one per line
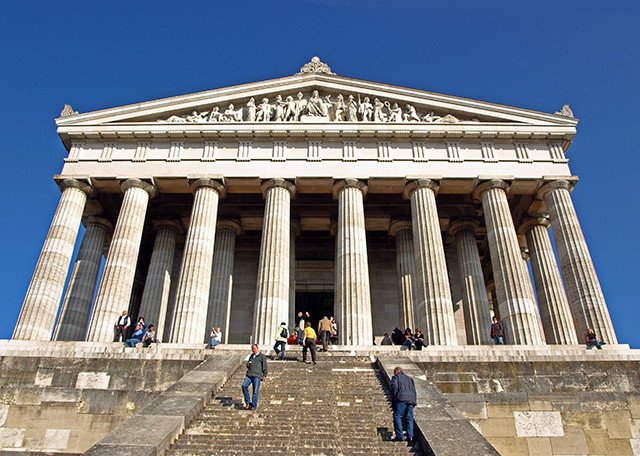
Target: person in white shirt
216 337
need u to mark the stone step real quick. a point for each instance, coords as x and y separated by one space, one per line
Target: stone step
343 401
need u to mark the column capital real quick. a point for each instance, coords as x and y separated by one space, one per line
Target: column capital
458 225
277 182
349 183
415 184
531 222
195 184
488 185
399 225
137 183
233 225
96 220
75 183
554 185
157 224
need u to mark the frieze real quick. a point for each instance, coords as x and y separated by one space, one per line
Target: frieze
315 108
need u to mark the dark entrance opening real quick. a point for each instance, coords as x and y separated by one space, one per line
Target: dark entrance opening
318 304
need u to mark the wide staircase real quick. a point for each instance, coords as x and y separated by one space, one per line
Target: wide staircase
338 407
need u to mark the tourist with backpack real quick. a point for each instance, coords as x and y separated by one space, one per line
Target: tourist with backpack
282 334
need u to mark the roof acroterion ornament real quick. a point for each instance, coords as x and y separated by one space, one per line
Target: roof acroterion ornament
67 111
315 66
565 111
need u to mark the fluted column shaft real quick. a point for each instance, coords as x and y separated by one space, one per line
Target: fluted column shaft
405 269
352 293
42 299
194 281
586 300
155 296
295 231
76 304
222 277
477 317
518 310
114 291
554 307
434 314
272 288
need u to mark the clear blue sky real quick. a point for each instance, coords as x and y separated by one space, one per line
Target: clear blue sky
101 54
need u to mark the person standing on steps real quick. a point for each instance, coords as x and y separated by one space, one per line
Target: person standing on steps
497 331
282 334
120 329
404 397
256 372
325 330
309 343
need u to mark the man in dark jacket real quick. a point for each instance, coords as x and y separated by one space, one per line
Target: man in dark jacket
497 331
256 372
403 393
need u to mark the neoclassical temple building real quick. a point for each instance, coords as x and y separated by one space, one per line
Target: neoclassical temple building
380 205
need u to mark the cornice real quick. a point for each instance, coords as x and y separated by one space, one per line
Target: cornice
458 131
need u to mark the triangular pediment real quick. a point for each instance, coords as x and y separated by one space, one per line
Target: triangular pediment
315 98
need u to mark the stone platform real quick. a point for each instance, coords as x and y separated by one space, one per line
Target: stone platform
65 397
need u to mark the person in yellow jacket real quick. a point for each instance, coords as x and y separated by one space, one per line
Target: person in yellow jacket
309 343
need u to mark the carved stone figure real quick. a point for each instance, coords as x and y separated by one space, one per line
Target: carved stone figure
339 108
365 110
264 111
565 111
174 119
197 118
378 111
352 109
289 109
279 108
251 110
215 115
300 105
232 115
316 107
431 117
395 113
411 115
449 119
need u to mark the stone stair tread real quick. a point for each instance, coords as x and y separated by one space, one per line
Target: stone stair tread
344 402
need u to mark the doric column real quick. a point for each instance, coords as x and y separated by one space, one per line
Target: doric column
477 317
272 288
586 300
173 289
41 302
76 304
352 292
295 231
155 296
222 276
194 281
434 307
554 307
405 268
114 291
518 310
493 299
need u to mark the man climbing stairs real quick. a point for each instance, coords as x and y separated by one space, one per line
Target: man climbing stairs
338 407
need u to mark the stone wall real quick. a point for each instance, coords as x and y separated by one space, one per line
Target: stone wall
66 403
546 408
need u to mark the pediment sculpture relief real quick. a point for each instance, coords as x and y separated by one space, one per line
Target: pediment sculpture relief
314 108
